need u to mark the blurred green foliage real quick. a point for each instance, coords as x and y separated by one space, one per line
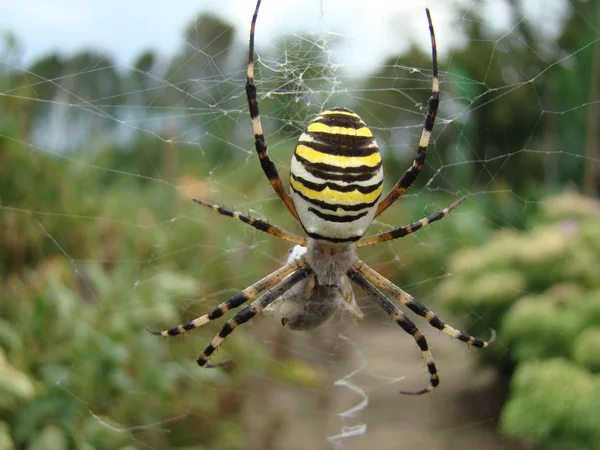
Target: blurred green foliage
554 403
77 369
540 288
77 242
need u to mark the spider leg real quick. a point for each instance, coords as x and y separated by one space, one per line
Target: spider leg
405 323
259 139
411 174
260 225
247 294
403 231
249 312
417 307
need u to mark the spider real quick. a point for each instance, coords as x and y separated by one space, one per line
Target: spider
336 183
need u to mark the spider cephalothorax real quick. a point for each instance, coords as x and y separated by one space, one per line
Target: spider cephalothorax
336 184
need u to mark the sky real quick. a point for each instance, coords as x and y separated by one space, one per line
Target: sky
375 29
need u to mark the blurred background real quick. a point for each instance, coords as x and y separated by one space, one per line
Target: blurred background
112 117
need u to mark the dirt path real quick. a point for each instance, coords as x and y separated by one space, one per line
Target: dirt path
460 414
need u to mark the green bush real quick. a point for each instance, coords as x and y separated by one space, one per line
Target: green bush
80 278
72 352
541 290
554 402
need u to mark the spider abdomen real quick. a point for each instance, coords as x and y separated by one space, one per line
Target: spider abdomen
336 177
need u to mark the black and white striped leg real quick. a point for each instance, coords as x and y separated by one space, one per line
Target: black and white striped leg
260 225
405 323
403 231
432 106
417 307
247 294
259 139
249 312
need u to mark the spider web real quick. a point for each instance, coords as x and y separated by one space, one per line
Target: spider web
110 149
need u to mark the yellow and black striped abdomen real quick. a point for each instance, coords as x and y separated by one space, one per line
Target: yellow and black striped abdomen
336 177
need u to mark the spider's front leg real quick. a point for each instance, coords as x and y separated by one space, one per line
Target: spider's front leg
405 323
371 281
250 311
247 294
417 307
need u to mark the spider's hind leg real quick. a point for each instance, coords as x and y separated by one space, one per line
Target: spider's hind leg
260 225
260 143
432 106
400 232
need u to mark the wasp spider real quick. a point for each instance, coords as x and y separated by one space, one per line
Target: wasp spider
336 184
